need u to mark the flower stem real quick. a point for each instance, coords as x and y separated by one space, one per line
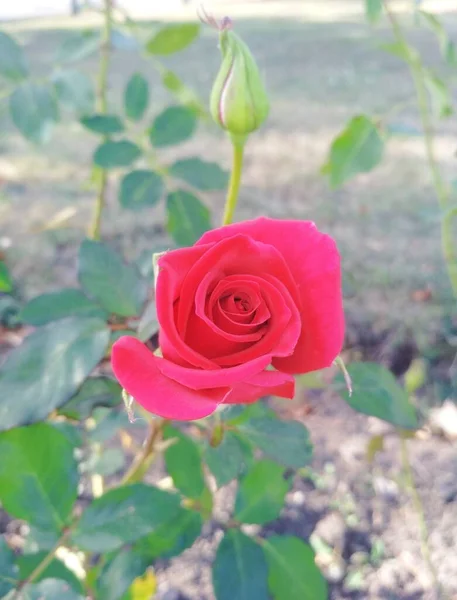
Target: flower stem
102 108
419 509
235 180
442 191
143 460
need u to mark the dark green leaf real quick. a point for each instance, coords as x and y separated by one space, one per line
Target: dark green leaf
78 46
240 569
47 369
184 464
103 124
373 10
118 574
140 189
38 476
59 305
200 174
12 59
292 572
187 218
71 431
261 493
173 126
34 111
51 589
27 563
287 442
229 459
75 91
236 414
108 463
377 393
6 283
8 569
94 392
110 154
136 97
173 538
117 286
358 149
173 38
124 515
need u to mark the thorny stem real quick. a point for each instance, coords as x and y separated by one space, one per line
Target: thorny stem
235 181
102 108
419 509
441 189
38 570
143 460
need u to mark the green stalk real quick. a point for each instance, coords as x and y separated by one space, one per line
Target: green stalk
235 181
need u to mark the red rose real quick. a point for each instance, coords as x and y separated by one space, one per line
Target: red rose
244 298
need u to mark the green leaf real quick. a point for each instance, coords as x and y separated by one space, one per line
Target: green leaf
111 154
94 392
71 431
171 539
140 189
358 149
136 97
6 283
200 174
124 515
27 563
187 217
375 392
286 442
229 459
8 569
51 589
34 111
38 476
12 60
103 124
184 464
117 576
172 126
373 10
108 423
173 38
59 305
184 94
240 569
78 46
47 369
261 493
292 572
447 47
439 93
401 49
75 90
117 287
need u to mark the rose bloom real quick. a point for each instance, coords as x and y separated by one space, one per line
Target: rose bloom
240 312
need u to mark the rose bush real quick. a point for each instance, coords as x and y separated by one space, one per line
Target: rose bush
245 298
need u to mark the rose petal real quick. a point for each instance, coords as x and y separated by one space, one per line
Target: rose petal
266 383
314 262
137 370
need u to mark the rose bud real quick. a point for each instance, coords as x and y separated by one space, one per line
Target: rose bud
239 102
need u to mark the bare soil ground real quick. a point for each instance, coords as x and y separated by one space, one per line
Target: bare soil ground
321 68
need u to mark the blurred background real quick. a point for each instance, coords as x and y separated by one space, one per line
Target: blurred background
322 64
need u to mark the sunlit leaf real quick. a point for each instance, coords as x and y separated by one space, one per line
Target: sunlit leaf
173 38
